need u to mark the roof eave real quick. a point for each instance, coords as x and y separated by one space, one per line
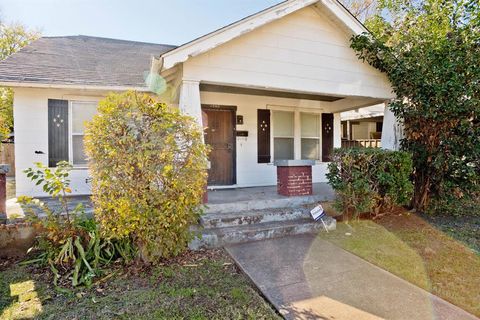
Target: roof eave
212 40
21 84
232 31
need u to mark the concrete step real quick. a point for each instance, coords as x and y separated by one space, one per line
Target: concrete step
218 237
224 220
261 204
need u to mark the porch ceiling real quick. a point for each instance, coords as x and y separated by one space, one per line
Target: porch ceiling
267 93
333 103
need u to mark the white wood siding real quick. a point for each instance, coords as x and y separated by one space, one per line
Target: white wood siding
31 134
303 51
249 172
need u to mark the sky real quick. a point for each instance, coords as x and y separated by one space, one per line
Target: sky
157 21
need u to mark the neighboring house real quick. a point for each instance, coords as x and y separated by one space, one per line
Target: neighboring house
363 126
270 86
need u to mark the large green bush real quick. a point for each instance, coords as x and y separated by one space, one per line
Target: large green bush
429 50
370 180
147 163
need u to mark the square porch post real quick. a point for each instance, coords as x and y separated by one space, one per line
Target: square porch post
392 132
189 101
189 104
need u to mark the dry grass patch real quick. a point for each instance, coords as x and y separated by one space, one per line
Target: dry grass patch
409 247
196 285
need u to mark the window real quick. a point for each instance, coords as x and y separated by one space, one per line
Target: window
80 113
283 135
310 139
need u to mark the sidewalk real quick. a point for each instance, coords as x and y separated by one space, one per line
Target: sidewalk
305 277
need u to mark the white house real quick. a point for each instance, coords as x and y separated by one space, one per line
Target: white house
270 86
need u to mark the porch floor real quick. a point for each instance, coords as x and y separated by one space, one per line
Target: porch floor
220 196
219 200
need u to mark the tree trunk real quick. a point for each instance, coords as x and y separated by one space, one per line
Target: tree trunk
421 196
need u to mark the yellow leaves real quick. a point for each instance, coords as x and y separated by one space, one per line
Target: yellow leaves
148 172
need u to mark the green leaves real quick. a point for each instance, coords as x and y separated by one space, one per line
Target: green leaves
148 172
12 38
370 180
430 52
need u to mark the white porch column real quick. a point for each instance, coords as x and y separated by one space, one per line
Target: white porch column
392 131
337 130
189 101
297 140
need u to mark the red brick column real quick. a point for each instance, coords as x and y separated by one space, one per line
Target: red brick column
294 180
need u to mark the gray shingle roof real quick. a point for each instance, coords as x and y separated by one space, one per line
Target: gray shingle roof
81 60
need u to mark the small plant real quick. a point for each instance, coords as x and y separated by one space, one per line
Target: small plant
370 180
69 242
148 167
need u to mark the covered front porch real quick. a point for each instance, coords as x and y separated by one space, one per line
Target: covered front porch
250 129
271 87
321 192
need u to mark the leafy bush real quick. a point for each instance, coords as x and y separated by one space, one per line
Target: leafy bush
456 204
147 164
429 50
69 242
370 180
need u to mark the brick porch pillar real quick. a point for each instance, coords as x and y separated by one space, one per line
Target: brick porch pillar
4 168
294 177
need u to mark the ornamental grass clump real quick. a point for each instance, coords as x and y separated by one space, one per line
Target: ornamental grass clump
69 242
147 163
369 180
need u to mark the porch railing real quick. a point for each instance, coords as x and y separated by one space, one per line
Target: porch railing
365 143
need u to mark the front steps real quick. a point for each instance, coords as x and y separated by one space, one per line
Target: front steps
218 227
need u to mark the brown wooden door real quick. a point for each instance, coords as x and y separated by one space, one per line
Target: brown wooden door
219 133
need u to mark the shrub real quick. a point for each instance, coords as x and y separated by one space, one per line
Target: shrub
69 242
370 180
147 164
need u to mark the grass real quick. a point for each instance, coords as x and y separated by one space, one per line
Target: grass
411 248
196 286
465 228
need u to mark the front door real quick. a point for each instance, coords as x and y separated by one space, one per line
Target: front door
219 131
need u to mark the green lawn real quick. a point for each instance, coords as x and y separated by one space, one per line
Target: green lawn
196 286
413 249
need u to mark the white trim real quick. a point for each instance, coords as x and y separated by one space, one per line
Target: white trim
71 133
297 133
318 138
69 86
344 16
214 39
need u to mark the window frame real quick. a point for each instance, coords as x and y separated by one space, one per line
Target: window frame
318 138
71 133
273 137
297 138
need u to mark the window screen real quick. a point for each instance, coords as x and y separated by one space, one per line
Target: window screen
81 112
283 133
310 140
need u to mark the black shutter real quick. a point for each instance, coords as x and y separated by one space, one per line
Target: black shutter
263 135
57 131
327 136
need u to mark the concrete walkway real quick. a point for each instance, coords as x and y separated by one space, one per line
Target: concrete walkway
305 277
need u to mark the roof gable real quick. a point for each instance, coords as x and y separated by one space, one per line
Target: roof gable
306 51
212 40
